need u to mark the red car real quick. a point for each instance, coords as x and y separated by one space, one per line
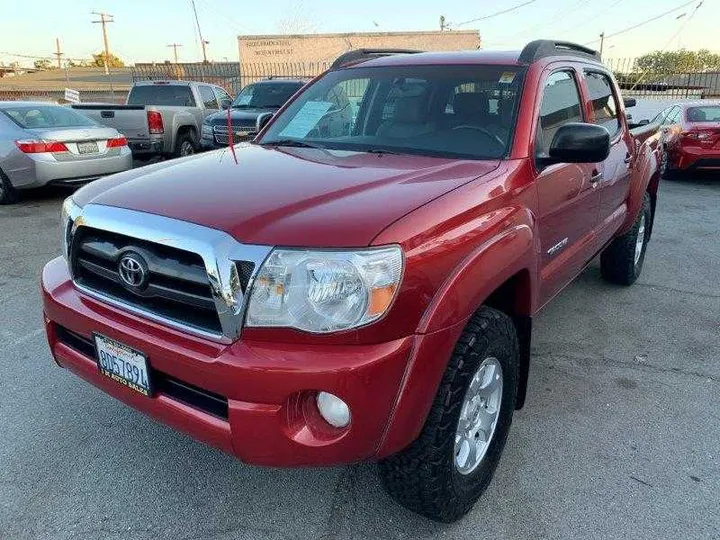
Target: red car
691 137
359 283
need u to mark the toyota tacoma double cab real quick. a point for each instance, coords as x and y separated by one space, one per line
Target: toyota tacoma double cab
359 282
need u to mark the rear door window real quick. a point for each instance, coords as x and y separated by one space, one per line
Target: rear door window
162 94
208 97
560 106
603 101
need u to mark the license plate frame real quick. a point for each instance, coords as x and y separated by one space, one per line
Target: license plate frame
110 364
88 147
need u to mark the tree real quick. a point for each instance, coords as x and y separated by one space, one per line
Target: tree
680 61
113 61
78 63
43 64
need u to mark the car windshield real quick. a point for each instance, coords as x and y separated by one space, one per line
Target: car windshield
704 114
46 116
265 96
443 111
161 94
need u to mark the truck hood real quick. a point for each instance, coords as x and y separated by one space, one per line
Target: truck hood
287 196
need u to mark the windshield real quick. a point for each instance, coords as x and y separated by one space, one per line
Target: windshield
46 116
161 94
704 114
444 111
265 96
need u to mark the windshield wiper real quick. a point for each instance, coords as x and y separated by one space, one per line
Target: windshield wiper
296 143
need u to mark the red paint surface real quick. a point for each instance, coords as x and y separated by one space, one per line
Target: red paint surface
465 227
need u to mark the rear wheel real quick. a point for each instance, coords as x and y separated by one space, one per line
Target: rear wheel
8 193
622 260
443 473
666 170
186 145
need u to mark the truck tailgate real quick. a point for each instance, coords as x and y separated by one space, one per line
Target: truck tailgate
130 120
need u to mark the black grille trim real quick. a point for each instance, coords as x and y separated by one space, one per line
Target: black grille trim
191 395
178 288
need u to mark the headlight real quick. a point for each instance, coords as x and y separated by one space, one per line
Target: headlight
68 215
324 291
206 131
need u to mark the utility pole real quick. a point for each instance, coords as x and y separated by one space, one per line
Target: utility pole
105 18
175 48
202 41
602 43
58 53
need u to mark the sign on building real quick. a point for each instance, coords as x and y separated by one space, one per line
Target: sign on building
73 96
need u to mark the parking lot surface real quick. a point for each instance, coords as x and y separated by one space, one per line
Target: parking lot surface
620 436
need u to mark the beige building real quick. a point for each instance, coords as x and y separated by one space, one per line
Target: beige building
324 48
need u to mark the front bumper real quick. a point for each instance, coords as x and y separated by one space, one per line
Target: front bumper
43 169
270 387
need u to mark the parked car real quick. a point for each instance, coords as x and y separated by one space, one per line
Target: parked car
161 118
42 144
339 293
253 100
690 137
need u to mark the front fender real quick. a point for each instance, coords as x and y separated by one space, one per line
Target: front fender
496 260
645 178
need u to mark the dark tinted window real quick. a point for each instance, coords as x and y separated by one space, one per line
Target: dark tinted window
265 95
208 97
46 116
560 105
703 114
161 94
603 101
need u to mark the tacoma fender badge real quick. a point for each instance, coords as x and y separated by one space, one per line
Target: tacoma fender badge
558 247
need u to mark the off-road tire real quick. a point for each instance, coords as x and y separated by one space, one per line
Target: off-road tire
423 477
617 261
8 194
185 145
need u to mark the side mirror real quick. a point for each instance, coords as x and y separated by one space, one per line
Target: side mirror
629 102
225 103
643 122
262 121
580 143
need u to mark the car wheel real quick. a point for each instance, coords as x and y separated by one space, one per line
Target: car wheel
8 193
185 145
666 171
622 261
445 471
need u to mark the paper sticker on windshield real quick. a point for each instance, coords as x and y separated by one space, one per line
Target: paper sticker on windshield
244 99
306 119
507 77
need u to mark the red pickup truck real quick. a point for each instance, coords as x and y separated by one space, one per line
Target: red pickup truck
358 283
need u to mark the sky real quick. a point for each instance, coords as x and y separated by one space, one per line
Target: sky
143 28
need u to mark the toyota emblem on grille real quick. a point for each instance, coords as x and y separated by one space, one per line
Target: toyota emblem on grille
133 271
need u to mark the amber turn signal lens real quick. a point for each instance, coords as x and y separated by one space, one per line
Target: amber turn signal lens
380 299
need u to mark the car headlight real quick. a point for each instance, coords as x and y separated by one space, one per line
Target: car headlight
206 131
324 291
69 213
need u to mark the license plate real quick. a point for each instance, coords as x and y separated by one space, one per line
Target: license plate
242 133
87 147
123 364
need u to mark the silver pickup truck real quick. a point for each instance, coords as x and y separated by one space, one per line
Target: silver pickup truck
161 117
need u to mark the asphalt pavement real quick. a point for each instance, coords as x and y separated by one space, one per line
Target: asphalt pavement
620 436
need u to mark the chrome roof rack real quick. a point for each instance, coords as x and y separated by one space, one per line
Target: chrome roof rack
358 55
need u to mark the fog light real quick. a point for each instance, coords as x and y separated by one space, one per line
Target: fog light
333 409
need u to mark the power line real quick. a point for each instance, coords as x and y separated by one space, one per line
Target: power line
643 23
502 12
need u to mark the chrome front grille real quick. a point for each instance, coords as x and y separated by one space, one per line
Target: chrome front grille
240 133
192 277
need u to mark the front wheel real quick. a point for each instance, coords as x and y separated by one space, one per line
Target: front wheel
622 261
445 471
